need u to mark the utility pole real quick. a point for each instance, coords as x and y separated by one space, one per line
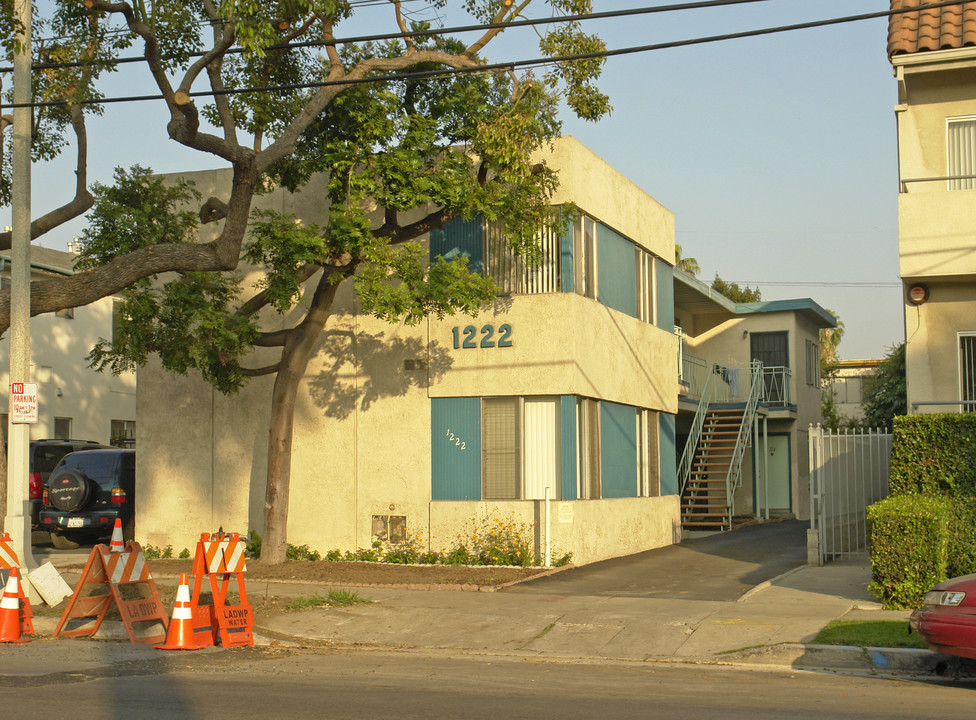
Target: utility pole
17 522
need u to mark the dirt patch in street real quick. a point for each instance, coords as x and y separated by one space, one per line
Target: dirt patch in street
327 573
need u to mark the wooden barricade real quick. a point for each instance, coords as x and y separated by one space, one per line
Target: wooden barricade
221 555
115 569
9 561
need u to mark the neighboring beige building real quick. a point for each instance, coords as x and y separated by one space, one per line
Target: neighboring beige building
567 385
74 401
933 53
746 452
848 386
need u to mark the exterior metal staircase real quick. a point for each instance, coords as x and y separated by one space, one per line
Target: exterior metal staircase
711 467
705 503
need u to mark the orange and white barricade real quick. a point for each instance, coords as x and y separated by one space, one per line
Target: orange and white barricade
221 556
115 569
8 563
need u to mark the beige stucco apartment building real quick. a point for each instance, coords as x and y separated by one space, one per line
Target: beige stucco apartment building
567 386
933 53
574 386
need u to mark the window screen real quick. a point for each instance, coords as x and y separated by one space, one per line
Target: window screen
961 146
967 370
500 448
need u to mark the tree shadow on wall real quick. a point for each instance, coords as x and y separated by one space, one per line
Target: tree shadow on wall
359 368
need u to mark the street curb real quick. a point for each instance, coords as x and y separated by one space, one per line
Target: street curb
847 658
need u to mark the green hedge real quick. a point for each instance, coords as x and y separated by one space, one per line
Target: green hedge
910 540
934 454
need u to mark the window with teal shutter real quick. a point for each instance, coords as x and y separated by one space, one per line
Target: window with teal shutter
616 271
460 238
618 450
455 449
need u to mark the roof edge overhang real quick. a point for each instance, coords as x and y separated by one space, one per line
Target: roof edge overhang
803 306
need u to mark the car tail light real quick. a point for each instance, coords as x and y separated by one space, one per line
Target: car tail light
45 499
35 485
944 597
118 496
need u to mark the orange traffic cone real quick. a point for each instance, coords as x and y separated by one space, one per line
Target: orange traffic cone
117 545
180 633
10 610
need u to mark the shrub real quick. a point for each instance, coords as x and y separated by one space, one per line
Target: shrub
302 552
909 547
934 454
962 536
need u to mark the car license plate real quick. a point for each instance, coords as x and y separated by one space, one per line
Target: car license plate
76 522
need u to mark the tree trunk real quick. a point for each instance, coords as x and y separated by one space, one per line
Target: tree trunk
294 361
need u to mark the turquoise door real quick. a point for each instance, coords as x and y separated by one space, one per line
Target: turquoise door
779 465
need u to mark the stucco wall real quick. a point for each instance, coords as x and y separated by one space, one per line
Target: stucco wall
593 529
932 350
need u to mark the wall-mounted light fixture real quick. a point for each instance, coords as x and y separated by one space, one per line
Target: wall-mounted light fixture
745 334
59 392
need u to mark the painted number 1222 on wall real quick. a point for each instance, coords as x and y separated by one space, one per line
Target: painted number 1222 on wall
467 337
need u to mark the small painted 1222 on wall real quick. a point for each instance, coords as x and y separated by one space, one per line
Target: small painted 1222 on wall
467 337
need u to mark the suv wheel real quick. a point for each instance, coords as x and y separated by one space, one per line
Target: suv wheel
68 489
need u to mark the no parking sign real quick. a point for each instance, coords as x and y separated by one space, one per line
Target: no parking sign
23 402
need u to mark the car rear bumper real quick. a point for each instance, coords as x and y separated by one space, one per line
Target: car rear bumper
951 633
90 523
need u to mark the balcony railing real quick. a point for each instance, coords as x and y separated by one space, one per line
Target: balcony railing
732 382
960 182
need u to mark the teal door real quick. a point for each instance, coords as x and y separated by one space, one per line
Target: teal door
779 465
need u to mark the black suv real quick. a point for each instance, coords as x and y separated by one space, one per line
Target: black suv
85 494
43 456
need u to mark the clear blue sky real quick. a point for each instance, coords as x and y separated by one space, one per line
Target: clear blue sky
776 154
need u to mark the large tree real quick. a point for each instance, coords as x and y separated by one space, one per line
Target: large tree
406 136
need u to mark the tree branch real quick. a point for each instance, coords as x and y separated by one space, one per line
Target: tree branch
80 203
257 372
505 9
285 144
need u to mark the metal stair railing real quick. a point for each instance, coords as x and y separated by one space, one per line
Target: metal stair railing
734 478
694 436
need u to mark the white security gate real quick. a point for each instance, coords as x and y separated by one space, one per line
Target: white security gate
848 472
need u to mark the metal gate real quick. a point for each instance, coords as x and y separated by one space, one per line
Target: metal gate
848 472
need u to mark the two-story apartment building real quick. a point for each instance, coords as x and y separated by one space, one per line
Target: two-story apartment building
74 401
933 53
566 388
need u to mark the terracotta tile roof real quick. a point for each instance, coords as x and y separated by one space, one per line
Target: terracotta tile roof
940 28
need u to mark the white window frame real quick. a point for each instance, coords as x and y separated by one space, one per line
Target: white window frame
648 453
525 457
961 360
646 286
970 160
586 263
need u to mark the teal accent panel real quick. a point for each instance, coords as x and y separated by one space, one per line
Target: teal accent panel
460 238
617 271
568 435
567 269
618 450
665 295
455 449
668 455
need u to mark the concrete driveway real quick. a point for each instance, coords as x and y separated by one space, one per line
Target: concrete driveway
720 567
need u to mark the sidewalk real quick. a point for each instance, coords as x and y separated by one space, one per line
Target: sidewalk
768 626
771 625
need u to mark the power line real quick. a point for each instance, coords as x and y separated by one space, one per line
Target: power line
513 64
480 27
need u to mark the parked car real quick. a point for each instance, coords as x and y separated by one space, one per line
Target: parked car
947 618
85 494
43 455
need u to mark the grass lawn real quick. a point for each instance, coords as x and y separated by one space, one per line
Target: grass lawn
869 633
